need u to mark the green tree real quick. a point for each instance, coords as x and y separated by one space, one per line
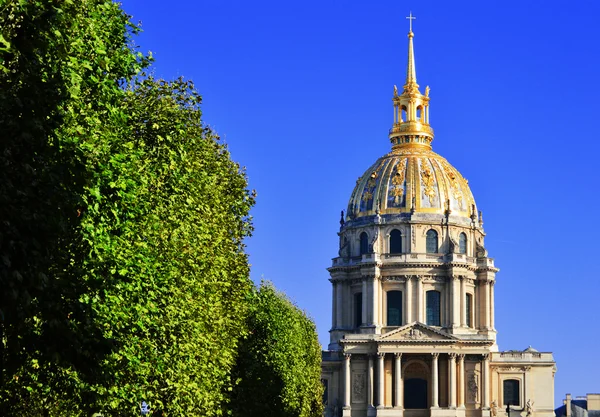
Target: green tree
279 363
61 63
121 256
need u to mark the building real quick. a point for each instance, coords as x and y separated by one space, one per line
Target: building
413 292
588 406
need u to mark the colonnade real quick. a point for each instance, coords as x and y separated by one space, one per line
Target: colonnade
456 293
456 370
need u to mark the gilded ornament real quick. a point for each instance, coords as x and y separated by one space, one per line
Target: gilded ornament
428 181
456 193
398 181
367 196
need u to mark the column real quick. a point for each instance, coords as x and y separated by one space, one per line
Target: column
374 301
452 378
492 314
463 307
409 312
364 302
486 295
461 376
370 382
455 302
346 380
434 380
333 305
427 114
338 306
380 379
485 381
420 300
399 383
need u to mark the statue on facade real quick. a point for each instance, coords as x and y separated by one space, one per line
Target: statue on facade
529 408
427 89
342 219
493 409
395 90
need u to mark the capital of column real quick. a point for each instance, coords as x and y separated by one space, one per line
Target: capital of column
453 356
435 355
347 356
380 355
398 355
461 356
485 356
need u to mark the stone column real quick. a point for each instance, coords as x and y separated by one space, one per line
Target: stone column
492 319
338 305
374 302
347 380
333 305
420 300
485 381
434 380
409 312
486 295
399 389
364 302
463 305
455 313
370 382
461 376
380 379
452 380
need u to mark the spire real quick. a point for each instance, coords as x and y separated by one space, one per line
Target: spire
411 108
411 72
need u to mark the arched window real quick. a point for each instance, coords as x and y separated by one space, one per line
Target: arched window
357 309
395 241
432 241
511 391
420 113
364 243
469 310
462 243
394 308
433 308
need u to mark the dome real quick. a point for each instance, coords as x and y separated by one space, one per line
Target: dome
411 179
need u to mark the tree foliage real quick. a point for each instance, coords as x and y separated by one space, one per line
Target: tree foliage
123 275
279 365
121 256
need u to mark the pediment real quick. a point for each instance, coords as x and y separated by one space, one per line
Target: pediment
417 332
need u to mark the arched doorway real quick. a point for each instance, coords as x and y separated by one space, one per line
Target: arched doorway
416 383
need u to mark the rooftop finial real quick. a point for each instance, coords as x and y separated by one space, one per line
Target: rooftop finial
411 72
410 18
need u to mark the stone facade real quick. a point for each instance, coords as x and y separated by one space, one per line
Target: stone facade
413 330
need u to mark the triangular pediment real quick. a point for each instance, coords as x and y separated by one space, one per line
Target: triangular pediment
417 332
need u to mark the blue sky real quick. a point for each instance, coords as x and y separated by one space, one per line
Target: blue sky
301 92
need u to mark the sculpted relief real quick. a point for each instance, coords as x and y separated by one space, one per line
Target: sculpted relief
359 384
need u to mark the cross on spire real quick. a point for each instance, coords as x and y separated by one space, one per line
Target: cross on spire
410 18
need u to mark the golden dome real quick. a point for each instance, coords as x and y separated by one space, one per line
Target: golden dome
411 179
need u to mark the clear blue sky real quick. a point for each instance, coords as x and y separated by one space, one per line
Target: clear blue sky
301 92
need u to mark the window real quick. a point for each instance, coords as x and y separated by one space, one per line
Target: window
325 383
511 392
394 308
357 309
395 241
462 243
469 310
433 308
432 241
364 243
